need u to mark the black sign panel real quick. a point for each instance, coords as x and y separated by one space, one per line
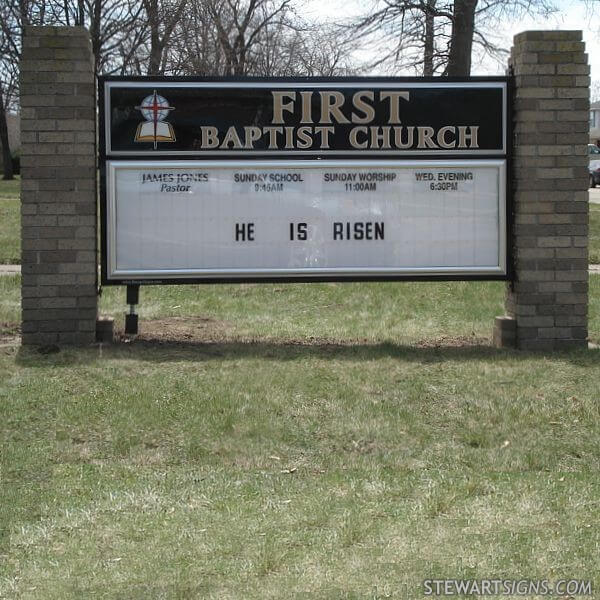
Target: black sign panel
284 118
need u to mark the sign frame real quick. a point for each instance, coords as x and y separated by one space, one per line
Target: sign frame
243 158
297 84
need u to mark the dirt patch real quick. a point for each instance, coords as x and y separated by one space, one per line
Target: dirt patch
212 333
181 329
208 331
459 341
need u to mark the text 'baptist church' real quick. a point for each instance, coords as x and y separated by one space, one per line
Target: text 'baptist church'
333 110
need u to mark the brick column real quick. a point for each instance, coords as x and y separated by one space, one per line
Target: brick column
58 187
549 297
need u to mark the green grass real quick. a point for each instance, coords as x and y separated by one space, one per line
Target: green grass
10 222
594 249
287 441
402 312
437 313
330 441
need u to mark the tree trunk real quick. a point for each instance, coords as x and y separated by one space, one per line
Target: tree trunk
156 53
429 28
461 43
95 30
6 156
80 13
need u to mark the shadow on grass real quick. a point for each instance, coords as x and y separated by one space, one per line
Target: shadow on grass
164 351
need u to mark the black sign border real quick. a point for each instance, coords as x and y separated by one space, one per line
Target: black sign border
103 157
301 154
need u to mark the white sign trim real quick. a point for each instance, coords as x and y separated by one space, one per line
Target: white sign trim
298 273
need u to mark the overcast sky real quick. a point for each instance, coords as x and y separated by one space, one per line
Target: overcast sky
574 14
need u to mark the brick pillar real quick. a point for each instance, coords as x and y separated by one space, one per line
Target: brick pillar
58 187
549 297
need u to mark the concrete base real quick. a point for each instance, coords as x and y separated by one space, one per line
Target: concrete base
105 327
505 332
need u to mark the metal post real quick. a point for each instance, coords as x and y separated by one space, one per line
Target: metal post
131 319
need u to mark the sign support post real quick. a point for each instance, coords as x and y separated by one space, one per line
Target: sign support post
131 319
58 187
548 299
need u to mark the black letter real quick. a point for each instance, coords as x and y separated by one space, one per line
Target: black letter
358 231
302 231
243 231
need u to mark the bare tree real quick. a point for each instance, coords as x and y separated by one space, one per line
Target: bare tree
162 19
317 52
7 85
304 49
412 34
438 36
111 23
461 45
253 37
14 15
194 45
240 25
4 141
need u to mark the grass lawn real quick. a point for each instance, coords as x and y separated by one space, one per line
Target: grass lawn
330 441
10 222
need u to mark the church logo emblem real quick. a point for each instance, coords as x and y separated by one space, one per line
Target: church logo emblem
155 109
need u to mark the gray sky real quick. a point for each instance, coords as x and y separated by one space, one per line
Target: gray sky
575 14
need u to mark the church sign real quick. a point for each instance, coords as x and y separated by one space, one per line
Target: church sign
304 180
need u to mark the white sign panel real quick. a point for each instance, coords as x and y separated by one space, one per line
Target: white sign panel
299 219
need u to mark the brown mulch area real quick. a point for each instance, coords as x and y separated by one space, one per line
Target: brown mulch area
459 341
179 329
205 330
201 330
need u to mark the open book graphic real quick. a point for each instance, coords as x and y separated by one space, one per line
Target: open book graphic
145 132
